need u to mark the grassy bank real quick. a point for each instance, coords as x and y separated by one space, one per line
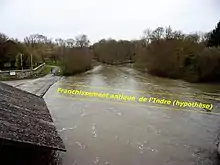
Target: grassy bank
46 70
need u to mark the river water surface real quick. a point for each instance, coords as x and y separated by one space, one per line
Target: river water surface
99 131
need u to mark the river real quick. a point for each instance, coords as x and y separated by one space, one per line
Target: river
100 131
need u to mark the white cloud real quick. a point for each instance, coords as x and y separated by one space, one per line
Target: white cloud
104 18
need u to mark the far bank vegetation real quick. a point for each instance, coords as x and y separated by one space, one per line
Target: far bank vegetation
162 52
73 55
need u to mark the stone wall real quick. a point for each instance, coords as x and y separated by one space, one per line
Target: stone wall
19 74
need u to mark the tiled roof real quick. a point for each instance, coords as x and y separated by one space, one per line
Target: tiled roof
25 118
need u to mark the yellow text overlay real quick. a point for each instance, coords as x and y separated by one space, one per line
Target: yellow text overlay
153 100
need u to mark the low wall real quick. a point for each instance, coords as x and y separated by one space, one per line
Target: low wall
19 74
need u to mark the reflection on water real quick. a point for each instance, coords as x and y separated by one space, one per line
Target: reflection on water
121 134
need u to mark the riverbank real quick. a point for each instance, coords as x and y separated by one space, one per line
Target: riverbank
74 72
43 72
38 86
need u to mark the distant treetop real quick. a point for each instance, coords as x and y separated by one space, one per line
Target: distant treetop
214 39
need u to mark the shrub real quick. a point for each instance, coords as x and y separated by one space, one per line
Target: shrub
209 64
76 60
167 57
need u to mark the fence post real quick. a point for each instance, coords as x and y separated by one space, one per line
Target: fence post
31 65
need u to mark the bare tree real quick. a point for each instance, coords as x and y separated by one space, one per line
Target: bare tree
158 33
82 41
177 34
204 37
35 39
70 42
193 37
3 38
168 33
60 42
147 36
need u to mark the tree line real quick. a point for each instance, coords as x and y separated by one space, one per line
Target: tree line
41 49
161 51
192 57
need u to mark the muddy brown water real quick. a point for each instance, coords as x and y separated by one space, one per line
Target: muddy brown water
99 131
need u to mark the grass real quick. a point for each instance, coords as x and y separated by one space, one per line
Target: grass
46 70
53 63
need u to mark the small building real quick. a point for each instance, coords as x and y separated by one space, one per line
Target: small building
8 52
25 122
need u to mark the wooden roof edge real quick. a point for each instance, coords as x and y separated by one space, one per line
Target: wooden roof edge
20 90
10 40
8 141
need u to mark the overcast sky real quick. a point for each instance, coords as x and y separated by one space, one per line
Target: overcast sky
119 19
